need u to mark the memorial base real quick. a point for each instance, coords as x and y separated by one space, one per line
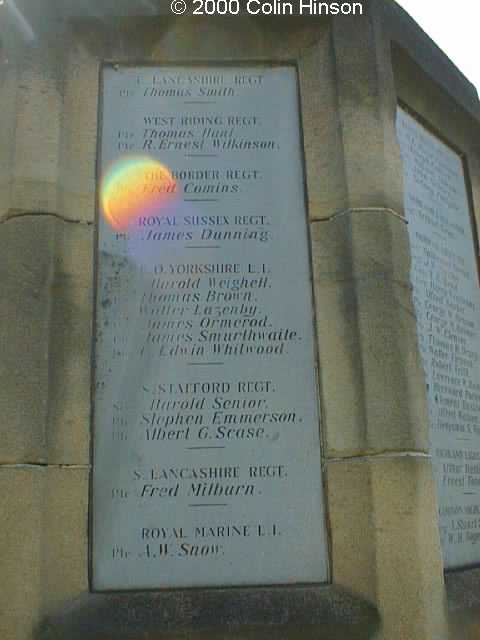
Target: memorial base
283 613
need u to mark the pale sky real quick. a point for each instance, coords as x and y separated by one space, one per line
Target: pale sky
454 26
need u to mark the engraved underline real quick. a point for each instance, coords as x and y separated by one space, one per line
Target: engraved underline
199 102
201 448
191 364
205 246
201 155
201 200
209 505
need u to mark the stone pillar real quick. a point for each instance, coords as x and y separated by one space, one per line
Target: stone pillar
46 269
381 494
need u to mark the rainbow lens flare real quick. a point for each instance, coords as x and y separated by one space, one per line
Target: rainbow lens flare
134 187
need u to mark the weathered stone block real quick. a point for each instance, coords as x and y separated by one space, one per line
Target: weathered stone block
44 560
8 97
322 130
46 267
76 184
367 105
385 542
361 245
38 117
372 385
21 500
70 344
65 536
26 249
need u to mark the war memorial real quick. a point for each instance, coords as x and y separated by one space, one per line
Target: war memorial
240 324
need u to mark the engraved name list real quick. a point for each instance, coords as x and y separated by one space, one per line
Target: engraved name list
207 461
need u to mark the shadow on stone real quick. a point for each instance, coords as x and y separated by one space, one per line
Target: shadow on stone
463 595
282 612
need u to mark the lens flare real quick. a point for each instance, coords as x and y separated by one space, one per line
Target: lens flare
133 187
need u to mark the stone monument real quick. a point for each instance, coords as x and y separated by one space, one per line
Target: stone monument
241 332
